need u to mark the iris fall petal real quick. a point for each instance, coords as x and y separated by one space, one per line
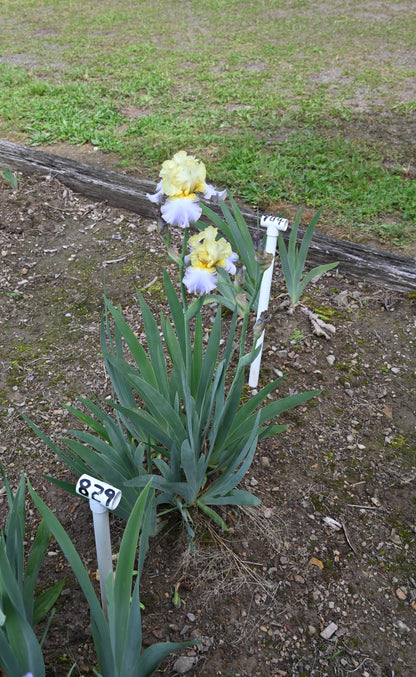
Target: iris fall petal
158 196
199 280
212 193
230 264
181 211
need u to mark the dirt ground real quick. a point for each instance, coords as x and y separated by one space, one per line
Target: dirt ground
287 591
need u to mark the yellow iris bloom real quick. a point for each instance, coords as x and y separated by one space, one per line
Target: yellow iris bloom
183 176
180 179
208 252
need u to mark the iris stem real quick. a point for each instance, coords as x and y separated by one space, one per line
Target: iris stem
182 268
187 328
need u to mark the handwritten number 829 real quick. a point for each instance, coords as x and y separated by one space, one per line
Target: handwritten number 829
85 488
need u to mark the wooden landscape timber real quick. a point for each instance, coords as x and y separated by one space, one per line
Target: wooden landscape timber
121 190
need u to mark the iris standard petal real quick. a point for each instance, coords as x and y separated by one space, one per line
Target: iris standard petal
209 233
181 211
208 252
199 280
183 175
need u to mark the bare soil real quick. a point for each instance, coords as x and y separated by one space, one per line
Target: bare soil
286 591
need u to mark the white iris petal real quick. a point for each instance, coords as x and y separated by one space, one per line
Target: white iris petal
158 196
212 193
181 212
229 264
199 280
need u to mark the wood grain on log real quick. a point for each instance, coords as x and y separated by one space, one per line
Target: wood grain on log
121 190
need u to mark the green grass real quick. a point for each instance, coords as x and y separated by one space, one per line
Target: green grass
287 102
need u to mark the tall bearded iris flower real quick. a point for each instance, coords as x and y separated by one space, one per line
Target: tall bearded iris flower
206 254
181 178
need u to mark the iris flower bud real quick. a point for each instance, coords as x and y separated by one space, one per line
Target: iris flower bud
240 276
264 260
261 323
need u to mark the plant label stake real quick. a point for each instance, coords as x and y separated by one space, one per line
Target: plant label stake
274 225
102 497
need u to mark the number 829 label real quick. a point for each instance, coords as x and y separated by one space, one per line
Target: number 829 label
94 489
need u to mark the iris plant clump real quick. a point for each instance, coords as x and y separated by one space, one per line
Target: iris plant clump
178 433
22 607
179 417
117 633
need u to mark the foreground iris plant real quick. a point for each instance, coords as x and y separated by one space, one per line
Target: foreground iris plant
180 416
182 178
206 254
179 434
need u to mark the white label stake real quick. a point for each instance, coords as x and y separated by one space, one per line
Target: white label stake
274 225
102 497
99 491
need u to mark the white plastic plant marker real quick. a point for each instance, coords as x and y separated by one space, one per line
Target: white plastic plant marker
102 498
274 225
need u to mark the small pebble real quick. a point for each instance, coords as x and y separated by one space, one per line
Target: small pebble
341 299
184 664
329 631
402 627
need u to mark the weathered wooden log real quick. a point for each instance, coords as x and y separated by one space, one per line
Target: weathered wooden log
122 190
103 185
